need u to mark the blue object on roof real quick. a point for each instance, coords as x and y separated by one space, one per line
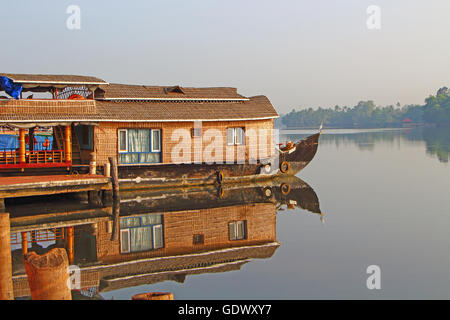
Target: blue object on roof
11 88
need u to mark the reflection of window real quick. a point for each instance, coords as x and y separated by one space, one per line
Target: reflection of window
235 136
141 233
198 239
139 145
237 230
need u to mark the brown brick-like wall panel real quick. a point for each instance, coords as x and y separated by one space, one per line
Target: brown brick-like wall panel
106 139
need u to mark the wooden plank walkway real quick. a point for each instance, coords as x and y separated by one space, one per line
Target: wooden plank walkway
24 186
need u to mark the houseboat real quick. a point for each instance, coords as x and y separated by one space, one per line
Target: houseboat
167 135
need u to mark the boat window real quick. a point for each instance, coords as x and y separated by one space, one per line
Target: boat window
230 136
239 136
235 136
123 145
139 146
196 132
237 230
156 140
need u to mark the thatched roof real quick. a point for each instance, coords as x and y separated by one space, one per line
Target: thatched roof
254 108
116 91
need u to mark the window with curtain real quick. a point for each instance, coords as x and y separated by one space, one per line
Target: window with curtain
141 233
235 136
139 146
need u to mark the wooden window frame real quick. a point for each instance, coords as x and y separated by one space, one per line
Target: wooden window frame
151 141
234 131
126 140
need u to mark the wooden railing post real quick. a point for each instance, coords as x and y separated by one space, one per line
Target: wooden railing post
68 149
22 145
24 242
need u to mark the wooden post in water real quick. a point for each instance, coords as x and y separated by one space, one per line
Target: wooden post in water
48 275
114 176
6 284
116 220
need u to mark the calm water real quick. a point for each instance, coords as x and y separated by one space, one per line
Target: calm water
384 196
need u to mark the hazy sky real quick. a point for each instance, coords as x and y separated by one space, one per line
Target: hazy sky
298 53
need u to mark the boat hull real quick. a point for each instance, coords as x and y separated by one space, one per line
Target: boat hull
170 175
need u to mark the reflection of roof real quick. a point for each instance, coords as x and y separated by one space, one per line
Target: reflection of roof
52 79
116 91
137 272
178 276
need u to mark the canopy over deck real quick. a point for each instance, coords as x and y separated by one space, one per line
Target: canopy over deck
45 82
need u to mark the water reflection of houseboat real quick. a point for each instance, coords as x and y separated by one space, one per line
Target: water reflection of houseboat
145 128
160 236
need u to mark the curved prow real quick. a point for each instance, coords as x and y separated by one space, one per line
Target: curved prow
301 155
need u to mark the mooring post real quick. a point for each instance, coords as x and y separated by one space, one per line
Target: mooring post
48 275
107 170
93 164
6 283
116 220
114 177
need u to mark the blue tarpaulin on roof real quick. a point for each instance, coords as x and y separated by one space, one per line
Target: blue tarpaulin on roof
11 88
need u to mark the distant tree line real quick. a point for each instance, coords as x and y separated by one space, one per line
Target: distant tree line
366 114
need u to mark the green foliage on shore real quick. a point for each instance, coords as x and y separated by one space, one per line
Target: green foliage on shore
368 115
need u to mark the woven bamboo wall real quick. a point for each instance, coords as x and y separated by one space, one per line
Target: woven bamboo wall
106 139
61 107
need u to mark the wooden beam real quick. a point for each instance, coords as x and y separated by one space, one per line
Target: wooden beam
22 145
68 146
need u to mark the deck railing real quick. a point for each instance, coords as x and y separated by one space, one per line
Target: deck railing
39 158
38 236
